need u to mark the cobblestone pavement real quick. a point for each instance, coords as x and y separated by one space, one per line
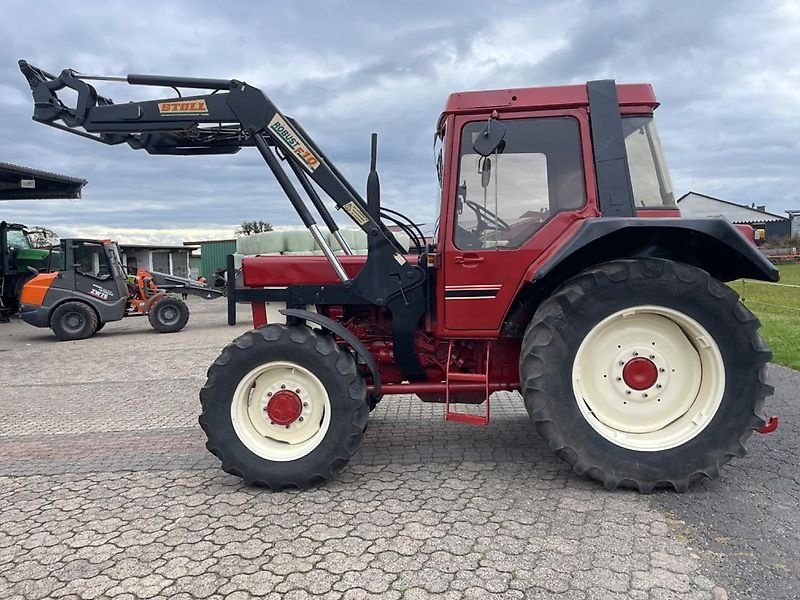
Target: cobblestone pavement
106 490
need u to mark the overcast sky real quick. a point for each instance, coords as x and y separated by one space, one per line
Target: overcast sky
727 74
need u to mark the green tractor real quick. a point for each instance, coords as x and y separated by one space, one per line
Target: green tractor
19 261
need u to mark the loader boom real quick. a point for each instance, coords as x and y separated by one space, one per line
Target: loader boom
233 115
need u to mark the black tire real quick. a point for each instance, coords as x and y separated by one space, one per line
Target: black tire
100 325
334 367
73 321
12 303
563 321
168 315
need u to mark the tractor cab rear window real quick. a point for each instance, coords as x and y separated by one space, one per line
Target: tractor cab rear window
504 198
652 187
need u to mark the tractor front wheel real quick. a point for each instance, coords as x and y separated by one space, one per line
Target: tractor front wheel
73 321
284 407
168 315
645 373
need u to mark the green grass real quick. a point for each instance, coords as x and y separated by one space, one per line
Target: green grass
778 309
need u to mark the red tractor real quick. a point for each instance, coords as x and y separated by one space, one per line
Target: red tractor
561 268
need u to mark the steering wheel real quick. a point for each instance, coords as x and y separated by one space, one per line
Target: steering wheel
486 218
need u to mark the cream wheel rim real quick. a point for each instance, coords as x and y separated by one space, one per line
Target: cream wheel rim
295 430
648 378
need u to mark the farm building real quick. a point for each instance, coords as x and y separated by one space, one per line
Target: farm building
24 183
173 260
767 225
213 255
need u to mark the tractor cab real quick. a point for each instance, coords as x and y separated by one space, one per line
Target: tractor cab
518 168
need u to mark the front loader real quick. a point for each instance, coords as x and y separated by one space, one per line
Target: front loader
91 288
561 268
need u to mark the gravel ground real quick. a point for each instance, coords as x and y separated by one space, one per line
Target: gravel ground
106 490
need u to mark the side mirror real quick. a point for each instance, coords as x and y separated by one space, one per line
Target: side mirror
490 138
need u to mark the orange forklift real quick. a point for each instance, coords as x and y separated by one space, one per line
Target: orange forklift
90 288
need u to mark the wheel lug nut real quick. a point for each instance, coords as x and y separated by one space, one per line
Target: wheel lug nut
659 386
305 404
644 395
297 391
619 378
636 354
627 392
652 356
661 370
287 427
269 393
299 418
283 387
622 362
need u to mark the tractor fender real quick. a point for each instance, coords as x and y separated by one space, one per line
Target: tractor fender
342 332
714 245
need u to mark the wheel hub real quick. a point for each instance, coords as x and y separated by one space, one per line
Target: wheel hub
648 378
284 408
281 411
640 373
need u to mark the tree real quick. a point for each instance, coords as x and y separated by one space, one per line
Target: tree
251 227
41 237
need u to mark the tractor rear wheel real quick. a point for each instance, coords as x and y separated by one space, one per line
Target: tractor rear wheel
645 373
284 407
168 315
73 321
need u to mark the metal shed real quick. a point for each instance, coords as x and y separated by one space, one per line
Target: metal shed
24 183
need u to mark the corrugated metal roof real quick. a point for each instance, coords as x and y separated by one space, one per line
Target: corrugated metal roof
4 166
45 185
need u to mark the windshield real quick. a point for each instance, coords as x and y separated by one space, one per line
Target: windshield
652 187
17 240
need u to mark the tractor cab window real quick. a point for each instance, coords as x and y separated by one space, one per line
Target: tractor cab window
118 271
439 144
504 198
91 260
652 187
17 240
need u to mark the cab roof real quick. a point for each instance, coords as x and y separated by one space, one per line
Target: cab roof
536 98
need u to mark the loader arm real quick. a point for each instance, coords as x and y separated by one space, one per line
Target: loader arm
234 114
229 115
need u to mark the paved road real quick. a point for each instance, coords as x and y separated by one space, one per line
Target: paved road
106 490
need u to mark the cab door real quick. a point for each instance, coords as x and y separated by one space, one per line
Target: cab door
507 209
97 275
